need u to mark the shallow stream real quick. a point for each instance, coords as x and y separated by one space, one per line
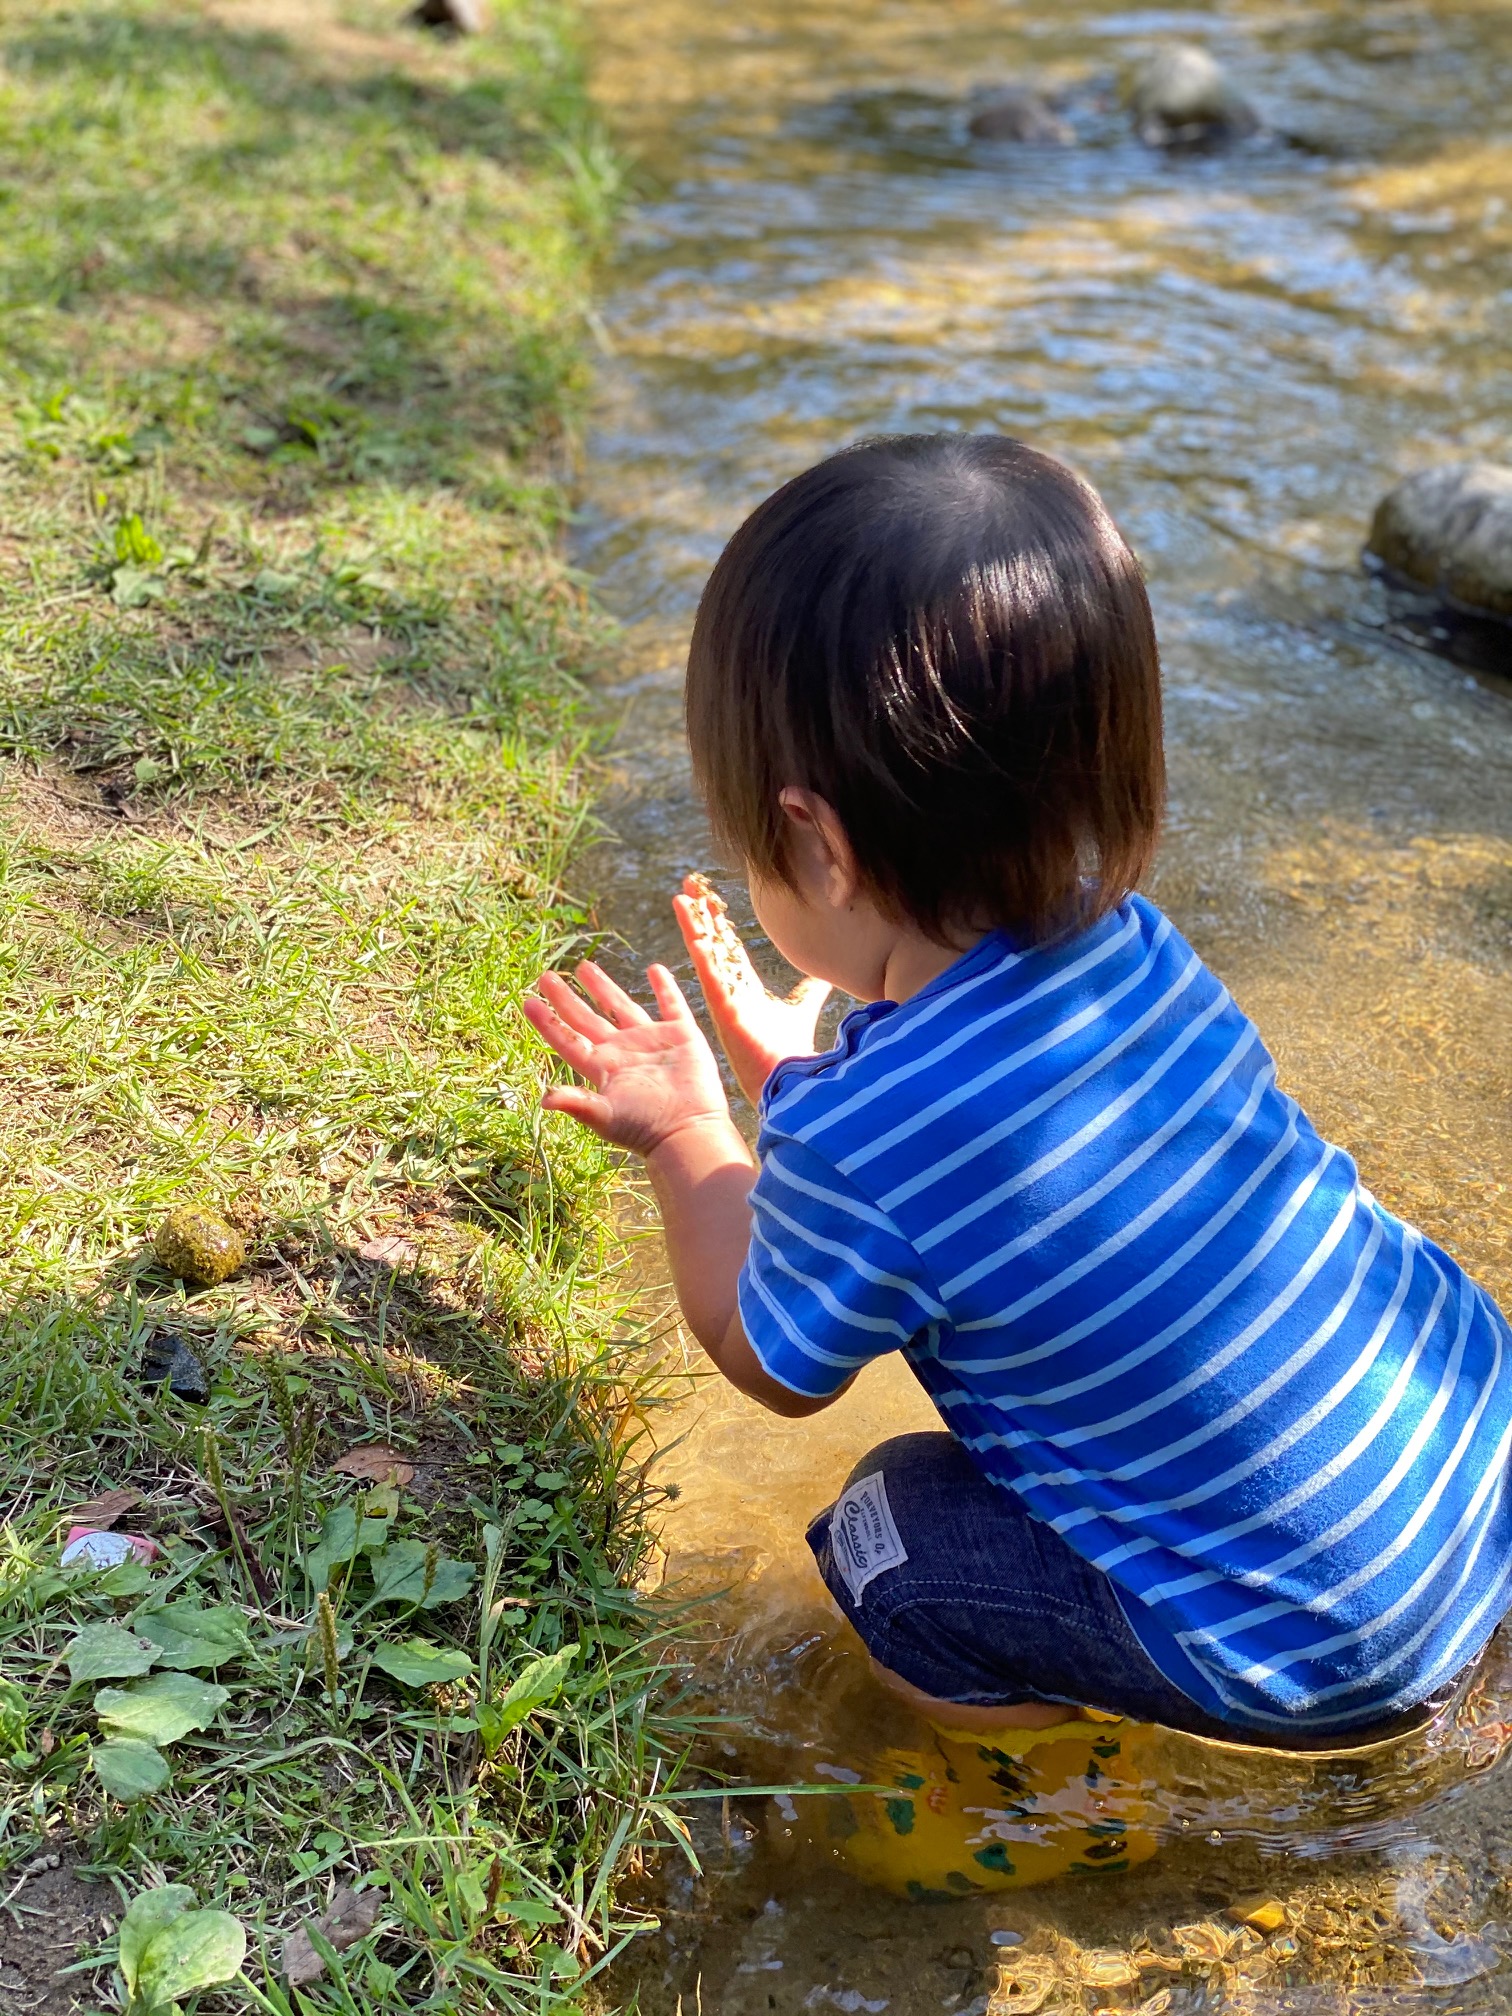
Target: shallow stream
1242 350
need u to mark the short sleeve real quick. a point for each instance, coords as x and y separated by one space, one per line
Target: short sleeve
829 1282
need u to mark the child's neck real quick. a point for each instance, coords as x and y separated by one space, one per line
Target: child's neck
915 959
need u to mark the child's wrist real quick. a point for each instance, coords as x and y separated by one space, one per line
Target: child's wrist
707 1139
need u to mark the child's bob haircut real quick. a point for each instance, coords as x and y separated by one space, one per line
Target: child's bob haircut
946 637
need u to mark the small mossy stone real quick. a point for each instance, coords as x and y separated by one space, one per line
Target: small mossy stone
198 1246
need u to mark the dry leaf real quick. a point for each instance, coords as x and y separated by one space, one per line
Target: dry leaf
389 1250
101 1513
375 1462
350 1916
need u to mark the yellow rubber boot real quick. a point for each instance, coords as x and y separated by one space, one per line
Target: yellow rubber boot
972 1813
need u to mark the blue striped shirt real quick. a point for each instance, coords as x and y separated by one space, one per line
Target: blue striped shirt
1151 1300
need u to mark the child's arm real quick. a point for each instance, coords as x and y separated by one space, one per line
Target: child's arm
656 1089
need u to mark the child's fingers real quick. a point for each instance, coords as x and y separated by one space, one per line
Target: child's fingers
548 1025
573 1009
719 959
611 997
579 1104
692 916
670 999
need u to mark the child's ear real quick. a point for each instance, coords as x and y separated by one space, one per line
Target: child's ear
820 841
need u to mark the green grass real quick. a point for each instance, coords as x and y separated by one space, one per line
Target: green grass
292 313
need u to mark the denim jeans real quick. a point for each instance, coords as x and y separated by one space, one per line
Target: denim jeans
960 1591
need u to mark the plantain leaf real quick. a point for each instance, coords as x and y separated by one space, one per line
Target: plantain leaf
417 1663
187 1636
161 1709
148 1912
107 1652
129 1769
399 1576
337 1543
197 1949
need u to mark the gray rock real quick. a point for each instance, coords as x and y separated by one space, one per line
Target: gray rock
1182 98
168 1361
450 17
1017 113
1451 530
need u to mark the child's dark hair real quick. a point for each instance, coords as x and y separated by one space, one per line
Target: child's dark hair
946 637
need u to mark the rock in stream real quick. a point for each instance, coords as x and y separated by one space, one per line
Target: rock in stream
1182 98
1450 530
1020 114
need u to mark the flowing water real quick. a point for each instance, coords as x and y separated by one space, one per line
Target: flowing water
1242 350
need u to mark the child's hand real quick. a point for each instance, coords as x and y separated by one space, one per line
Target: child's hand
650 1079
757 1029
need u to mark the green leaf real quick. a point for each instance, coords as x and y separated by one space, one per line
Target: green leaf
129 1769
399 1576
161 1709
188 1637
338 1543
535 1686
135 587
127 1578
107 1652
197 1949
416 1663
146 1915
134 544
528 1911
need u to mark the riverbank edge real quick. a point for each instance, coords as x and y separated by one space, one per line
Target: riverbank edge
289 726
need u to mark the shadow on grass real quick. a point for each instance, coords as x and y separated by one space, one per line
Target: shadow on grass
322 1350
266 71
358 337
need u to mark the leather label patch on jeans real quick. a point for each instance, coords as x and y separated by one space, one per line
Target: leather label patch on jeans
863 1538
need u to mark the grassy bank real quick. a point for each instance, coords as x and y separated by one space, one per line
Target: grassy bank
291 336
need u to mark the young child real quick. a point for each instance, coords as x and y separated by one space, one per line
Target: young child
1227 1441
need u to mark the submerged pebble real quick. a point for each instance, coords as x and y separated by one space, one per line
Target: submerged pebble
1450 529
199 1246
1182 98
1019 114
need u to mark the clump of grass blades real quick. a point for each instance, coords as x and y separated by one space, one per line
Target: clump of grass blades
287 786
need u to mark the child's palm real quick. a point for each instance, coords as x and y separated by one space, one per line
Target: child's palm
756 1027
647 1078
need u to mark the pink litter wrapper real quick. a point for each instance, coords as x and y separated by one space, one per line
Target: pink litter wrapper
87 1547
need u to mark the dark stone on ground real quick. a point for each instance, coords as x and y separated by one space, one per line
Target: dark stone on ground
1182 98
450 17
1450 530
168 1361
1017 113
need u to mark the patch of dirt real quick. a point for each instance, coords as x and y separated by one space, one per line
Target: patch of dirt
59 807
46 1918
